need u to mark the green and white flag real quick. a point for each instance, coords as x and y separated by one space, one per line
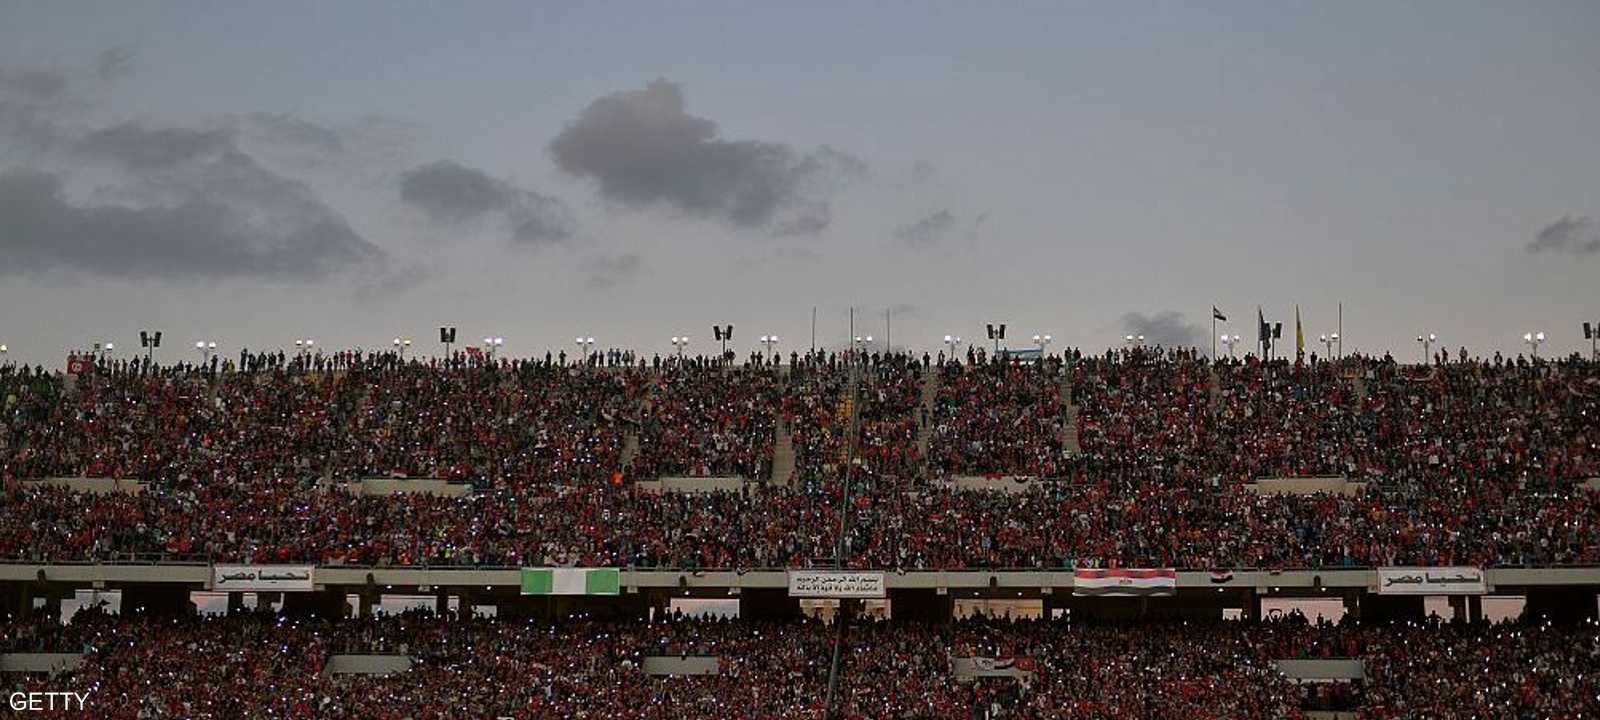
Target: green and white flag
570 581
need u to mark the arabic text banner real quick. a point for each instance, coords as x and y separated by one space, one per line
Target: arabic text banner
1431 581
836 584
1125 582
262 578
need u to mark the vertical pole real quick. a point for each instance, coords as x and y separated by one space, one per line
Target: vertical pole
813 328
1341 329
886 344
1213 333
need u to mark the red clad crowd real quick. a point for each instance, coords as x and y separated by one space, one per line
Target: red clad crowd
261 665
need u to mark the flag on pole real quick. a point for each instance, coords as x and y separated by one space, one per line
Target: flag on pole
1217 314
1299 334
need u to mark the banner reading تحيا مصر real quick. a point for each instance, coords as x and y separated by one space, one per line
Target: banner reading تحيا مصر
836 584
262 578
1431 581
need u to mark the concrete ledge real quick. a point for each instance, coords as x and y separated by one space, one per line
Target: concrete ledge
396 486
1061 579
694 484
367 664
994 483
686 665
40 662
93 486
1306 486
1322 670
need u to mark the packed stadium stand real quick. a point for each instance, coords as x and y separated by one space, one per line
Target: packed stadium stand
1139 533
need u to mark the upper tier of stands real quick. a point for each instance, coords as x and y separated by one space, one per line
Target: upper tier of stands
1466 462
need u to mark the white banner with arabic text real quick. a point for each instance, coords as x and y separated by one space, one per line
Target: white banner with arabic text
1431 581
262 578
835 584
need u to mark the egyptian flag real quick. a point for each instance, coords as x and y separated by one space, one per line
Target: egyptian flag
1126 582
1215 313
1219 577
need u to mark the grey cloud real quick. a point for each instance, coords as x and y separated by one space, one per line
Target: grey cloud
1167 329
374 140
168 201
32 84
455 195
113 63
141 148
810 220
608 272
1567 235
927 230
291 236
643 149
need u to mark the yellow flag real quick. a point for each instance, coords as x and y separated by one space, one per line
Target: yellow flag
1299 334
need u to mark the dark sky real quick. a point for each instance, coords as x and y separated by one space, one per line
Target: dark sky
251 173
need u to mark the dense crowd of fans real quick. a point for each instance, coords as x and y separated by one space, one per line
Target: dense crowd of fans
263 665
1465 462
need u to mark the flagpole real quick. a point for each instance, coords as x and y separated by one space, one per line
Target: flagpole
1213 333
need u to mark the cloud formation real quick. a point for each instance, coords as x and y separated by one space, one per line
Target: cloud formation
453 195
1167 329
279 231
643 150
168 201
928 230
608 272
1577 236
113 63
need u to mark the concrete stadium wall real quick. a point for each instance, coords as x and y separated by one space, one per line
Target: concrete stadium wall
688 665
40 662
997 484
693 484
93 486
1343 669
634 580
396 486
367 664
1305 486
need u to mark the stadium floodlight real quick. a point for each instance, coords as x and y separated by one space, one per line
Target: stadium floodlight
1591 332
401 344
769 341
1042 341
952 341
680 342
447 337
1427 342
1328 341
1230 341
206 348
302 346
585 345
492 344
149 340
1534 340
863 342
722 334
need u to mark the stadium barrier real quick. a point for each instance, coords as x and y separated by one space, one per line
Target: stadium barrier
682 665
397 486
367 664
91 486
40 662
1333 485
694 484
1323 670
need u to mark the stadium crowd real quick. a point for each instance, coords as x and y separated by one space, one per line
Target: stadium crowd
1465 462
272 665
